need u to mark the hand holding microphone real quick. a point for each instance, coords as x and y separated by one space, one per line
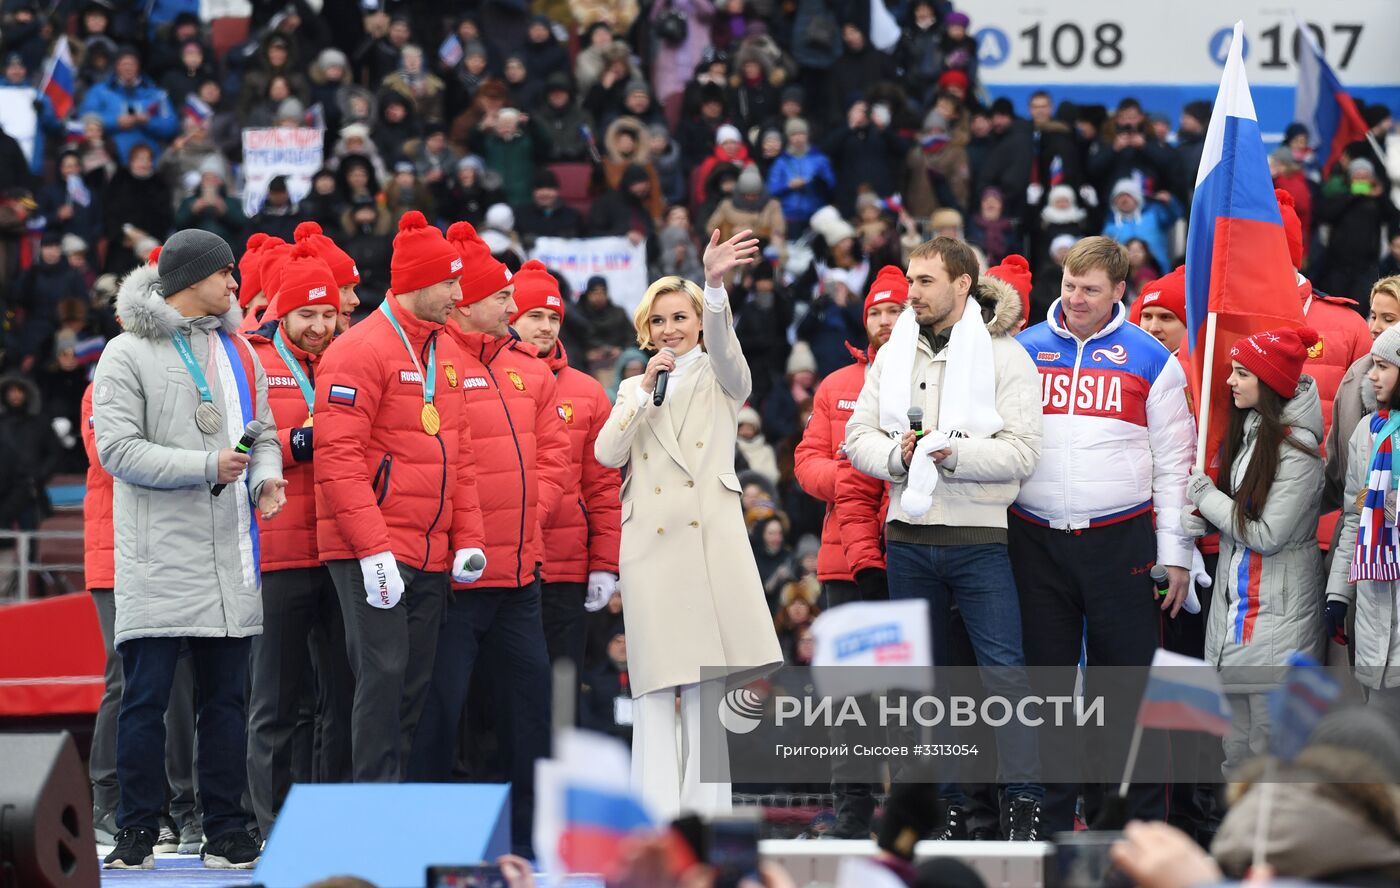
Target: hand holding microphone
233 460
658 373
468 565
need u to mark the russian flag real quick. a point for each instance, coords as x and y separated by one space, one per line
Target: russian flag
1322 105
1057 171
58 78
1184 694
1239 275
197 110
1297 705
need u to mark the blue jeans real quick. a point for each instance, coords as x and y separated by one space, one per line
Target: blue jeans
221 679
978 580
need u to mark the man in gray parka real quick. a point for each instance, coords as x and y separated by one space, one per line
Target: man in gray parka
171 398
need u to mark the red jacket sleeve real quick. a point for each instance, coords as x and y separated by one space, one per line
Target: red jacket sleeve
342 433
602 496
813 461
551 450
468 531
860 515
85 419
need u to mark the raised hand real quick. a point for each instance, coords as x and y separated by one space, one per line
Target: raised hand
722 258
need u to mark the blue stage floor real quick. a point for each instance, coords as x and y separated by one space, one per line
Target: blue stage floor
176 871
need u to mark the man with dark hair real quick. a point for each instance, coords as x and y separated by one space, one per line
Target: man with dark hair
952 355
1119 440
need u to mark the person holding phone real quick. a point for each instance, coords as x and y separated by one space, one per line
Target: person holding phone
691 593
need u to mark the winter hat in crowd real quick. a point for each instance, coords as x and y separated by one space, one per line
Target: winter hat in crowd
484 274
945 217
1276 356
250 269
73 245
957 18
801 358
306 280
500 217
889 285
535 288
727 133
750 416
272 261
1364 730
1167 292
829 224
1387 346
1016 271
954 79
1129 187
1361 167
750 181
332 58
189 257
1292 227
422 256
795 125
341 265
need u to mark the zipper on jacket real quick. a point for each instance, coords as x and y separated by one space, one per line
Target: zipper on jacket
385 466
519 458
442 486
1069 451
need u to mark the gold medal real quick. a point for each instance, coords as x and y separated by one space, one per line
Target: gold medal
307 424
431 421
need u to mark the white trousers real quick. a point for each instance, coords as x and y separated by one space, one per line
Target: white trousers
666 756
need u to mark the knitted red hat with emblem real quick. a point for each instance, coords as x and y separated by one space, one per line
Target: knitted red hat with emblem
1276 356
1167 292
1292 226
422 256
535 288
306 280
272 261
889 285
483 274
249 269
342 266
1016 271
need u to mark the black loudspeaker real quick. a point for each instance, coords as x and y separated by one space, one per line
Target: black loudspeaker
46 837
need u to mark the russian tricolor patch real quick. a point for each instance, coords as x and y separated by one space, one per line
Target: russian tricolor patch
342 394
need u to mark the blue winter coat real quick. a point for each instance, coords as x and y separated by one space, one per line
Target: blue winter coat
812 167
1153 224
110 100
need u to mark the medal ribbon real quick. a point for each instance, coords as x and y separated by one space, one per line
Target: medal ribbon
308 392
182 348
430 377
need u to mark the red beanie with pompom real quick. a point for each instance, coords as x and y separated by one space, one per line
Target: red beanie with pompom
1167 292
422 256
889 285
535 288
1276 356
483 274
306 280
341 265
249 269
1292 226
1016 271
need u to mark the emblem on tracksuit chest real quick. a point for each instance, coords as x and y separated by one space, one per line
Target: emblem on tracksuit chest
515 380
451 373
566 412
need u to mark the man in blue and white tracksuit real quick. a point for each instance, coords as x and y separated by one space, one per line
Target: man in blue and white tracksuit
1116 452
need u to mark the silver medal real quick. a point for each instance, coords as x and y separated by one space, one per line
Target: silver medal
208 418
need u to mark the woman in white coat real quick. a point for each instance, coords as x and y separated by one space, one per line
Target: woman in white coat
692 599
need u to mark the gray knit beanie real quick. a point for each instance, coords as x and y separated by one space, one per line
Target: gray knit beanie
1362 730
189 257
1387 346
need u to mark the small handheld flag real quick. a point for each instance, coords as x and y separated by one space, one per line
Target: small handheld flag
1297 705
58 82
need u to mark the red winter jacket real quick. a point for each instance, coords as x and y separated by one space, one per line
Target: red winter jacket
522 451
859 515
1343 339
289 540
98 570
818 461
381 481
585 531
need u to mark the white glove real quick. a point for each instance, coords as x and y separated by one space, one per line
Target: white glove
601 586
1193 525
383 583
461 573
1089 195
1034 192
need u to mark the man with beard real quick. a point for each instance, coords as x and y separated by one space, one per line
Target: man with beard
299 603
342 266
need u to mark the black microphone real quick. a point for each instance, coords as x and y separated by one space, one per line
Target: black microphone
916 420
245 443
662 377
476 561
1160 580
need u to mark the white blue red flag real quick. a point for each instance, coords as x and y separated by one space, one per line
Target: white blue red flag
1237 263
1322 106
1297 705
58 78
1184 694
198 110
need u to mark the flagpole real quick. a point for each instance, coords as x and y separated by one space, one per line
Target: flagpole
1207 376
1132 760
1261 826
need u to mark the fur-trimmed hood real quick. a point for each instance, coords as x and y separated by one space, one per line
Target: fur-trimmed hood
1001 305
144 312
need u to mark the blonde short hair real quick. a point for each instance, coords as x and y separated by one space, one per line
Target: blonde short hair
663 286
1390 286
1099 252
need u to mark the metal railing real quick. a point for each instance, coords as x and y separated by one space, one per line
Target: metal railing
15 586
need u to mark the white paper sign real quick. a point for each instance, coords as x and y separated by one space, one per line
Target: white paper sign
621 263
283 151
